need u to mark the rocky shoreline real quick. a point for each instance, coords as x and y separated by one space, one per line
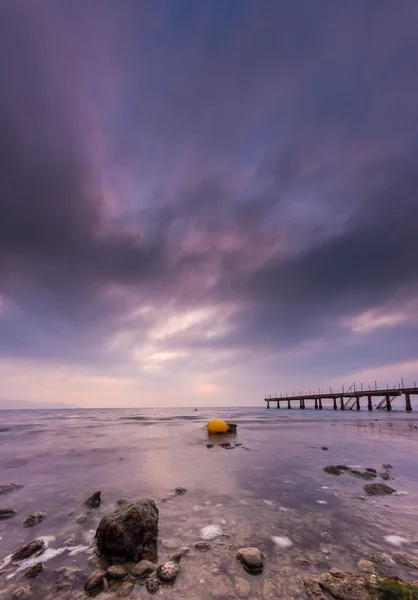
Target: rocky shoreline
123 558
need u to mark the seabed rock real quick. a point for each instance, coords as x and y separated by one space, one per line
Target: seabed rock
7 513
23 592
33 519
143 569
339 585
127 531
8 488
34 571
116 572
251 559
95 581
168 571
28 550
94 501
125 589
378 489
406 560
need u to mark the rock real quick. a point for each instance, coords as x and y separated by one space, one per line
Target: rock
152 585
33 519
34 571
378 489
332 470
23 592
95 561
406 559
371 471
128 530
168 571
324 448
94 582
8 488
346 586
225 445
251 559
179 554
387 466
385 476
202 546
81 519
242 587
125 589
143 569
180 491
116 572
366 566
94 500
209 445
35 547
362 474
122 502
69 578
7 513
379 559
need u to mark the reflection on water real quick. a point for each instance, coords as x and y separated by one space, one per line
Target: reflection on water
269 487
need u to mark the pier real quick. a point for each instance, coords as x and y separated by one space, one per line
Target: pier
346 400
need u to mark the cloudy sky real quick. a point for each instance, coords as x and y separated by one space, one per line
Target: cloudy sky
203 201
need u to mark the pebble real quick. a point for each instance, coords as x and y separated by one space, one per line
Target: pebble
34 571
125 589
179 554
94 582
116 572
242 587
143 569
168 571
282 541
152 585
33 519
251 558
202 546
210 532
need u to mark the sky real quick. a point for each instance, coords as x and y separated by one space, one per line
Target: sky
205 201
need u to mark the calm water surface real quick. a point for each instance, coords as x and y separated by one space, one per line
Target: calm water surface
270 487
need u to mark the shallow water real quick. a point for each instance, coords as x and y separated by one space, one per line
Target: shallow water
271 488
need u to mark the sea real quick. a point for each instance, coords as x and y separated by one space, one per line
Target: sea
267 489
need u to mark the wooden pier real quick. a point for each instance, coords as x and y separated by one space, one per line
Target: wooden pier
347 400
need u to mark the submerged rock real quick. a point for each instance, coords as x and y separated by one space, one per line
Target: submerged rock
7 513
346 586
125 589
324 448
168 571
179 491
81 519
179 554
371 470
122 502
94 582
385 476
332 470
251 559
33 519
23 592
152 585
143 569
406 560
202 546
242 587
34 571
69 578
35 547
209 445
128 530
116 572
8 488
378 489
387 466
366 474
94 500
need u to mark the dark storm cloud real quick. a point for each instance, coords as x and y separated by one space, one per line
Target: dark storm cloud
259 156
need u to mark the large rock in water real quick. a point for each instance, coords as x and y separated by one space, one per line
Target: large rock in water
127 531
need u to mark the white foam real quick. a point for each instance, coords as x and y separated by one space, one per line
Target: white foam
77 549
198 508
210 532
321 502
401 493
396 540
284 509
324 487
48 554
282 541
268 502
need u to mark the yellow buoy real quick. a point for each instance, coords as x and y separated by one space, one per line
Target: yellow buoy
217 426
